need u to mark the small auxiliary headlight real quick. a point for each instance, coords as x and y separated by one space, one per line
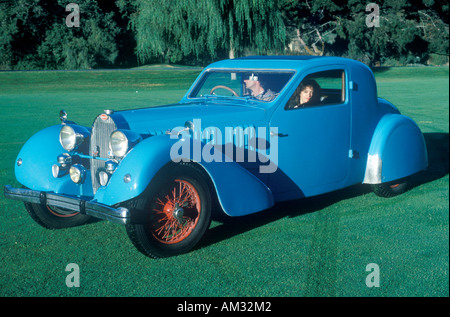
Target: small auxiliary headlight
103 178
55 170
77 173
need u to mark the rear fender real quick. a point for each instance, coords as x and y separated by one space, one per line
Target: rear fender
397 150
238 191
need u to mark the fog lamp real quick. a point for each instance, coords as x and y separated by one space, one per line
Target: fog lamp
77 173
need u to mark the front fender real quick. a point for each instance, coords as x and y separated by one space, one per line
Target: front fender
238 191
37 157
140 164
397 150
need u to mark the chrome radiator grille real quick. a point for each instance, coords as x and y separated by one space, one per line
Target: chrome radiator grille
101 130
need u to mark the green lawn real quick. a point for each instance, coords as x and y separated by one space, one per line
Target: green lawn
314 247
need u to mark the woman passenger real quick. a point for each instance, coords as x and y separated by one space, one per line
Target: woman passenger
307 94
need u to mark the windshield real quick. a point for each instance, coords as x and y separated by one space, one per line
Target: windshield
258 85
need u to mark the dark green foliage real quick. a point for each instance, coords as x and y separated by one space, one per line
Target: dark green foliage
408 31
174 31
36 36
125 33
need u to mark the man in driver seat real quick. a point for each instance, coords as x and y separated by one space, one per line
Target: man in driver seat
258 89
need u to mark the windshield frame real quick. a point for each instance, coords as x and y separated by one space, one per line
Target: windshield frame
193 93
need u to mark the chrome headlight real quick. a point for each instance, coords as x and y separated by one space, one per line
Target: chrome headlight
67 137
71 136
119 143
123 140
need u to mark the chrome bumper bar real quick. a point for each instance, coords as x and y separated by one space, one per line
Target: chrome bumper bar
118 215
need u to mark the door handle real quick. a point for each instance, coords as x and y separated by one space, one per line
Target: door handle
280 135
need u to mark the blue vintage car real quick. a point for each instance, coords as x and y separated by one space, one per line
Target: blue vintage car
249 132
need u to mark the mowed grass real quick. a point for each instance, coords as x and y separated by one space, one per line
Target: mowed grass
313 247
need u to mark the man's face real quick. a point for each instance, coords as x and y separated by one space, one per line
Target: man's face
251 81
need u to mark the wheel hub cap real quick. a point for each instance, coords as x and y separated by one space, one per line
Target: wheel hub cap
178 213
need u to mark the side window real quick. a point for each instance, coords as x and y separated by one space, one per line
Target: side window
318 89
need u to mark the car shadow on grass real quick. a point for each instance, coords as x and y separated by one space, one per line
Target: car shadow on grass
438 159
234 226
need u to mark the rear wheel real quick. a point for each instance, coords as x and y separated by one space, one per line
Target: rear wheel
175 212
391 189
52 217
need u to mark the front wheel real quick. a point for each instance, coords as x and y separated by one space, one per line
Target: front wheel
175 212
51 217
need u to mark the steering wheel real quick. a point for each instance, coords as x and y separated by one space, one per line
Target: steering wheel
224 87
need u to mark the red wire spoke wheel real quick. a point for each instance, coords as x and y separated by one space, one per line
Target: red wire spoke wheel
174 212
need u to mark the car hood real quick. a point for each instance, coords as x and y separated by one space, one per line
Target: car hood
157 120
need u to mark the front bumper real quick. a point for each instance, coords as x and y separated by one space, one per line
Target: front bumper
119 215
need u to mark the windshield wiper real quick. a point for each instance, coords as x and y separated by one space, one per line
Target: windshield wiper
234 98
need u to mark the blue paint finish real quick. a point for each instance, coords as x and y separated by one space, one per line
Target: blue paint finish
400 145
319 149
314 155
157 120
36 169
239 192
38 155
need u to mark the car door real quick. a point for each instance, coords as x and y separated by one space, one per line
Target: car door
313 138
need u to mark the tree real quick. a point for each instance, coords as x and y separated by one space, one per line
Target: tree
312 25
176 31
122 32
432 20
88 46
396 36
170 30
125 10
256 26
407 32
36 36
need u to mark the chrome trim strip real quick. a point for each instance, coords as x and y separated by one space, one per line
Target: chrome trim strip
25 195
119 215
